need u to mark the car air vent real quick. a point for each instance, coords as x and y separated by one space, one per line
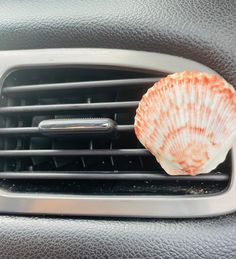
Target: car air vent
92 172
114 163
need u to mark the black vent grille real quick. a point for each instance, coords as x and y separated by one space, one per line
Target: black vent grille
32 95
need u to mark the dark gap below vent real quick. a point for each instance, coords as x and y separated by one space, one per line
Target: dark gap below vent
113 187
122 166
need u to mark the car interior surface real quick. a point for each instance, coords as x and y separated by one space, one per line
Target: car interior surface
75 181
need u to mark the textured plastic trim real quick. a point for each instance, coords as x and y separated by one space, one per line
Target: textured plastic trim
124 206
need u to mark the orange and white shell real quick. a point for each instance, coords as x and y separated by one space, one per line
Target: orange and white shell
188 122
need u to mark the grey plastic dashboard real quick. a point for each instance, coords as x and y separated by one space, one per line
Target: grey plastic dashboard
202 31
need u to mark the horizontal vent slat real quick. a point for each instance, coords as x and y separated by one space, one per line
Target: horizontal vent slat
79 85
111 106
19 131
121 128
82 152
128 175
35 130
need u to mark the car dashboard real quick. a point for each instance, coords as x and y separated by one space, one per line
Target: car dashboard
103 195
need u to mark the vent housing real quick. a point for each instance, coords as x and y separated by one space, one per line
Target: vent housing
107 174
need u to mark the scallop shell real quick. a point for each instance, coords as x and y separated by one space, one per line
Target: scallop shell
188 122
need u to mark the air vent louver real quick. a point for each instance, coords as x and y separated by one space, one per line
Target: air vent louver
33 95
